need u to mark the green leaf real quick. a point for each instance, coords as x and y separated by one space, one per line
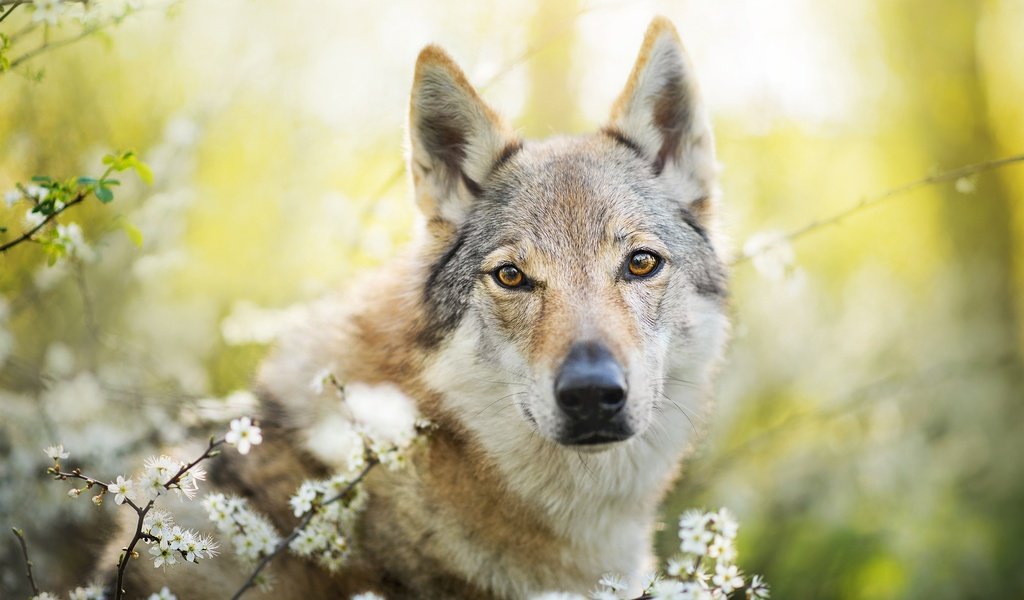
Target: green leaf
133 232
3 229
42 179
87 180
104 194
145 174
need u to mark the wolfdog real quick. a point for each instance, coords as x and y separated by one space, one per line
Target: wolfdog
558 317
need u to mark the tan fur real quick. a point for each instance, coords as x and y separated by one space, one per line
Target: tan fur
492 506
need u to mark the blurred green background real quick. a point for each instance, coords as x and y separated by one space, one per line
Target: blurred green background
869 430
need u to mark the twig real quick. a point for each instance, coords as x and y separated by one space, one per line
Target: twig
19 2
28 563
14 4
306 518
870 201
140 511
47 45
27 236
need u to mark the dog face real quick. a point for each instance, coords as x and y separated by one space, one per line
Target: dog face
576 273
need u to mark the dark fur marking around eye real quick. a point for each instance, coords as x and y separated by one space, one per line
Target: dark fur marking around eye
449 285
621 139
438 267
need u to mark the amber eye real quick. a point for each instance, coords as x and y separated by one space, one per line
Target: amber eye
643 263
509 276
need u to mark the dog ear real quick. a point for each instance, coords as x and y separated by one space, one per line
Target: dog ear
455 140
660 113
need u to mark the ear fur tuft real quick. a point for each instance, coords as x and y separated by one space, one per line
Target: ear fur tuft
455 137
660 111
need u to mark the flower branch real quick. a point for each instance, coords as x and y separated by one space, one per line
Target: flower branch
778 244
307 517
28 563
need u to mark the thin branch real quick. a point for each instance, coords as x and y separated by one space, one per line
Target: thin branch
875 200
28 563
20 2
140 511
27 236
48 45
14 4
88 307
122 564
303 523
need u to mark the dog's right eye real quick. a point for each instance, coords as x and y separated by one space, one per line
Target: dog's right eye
509 276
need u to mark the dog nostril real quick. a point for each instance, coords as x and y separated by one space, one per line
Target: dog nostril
591 400
612 398
591 384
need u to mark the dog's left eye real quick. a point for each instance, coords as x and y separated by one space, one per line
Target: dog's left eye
642 263
509 276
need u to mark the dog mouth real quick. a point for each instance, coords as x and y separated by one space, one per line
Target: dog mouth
605 434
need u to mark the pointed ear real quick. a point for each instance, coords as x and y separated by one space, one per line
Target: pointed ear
454 137
661 114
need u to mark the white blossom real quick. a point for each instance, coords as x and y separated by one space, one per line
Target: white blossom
668 589
47 10
122 490
725 523
59 360
727 578
243 435
45 596
695 541
373 596
91 592
758 588
162 556
56 452
163 594
771 253
157 523
965 185
302 501
320 381
36 192
722 549
613 581
151 484
11 197
70 235
251 534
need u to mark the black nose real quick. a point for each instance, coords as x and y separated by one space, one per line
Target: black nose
591 386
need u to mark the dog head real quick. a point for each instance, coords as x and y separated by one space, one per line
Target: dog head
576 275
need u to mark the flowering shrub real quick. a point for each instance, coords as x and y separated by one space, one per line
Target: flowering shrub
705 568
325 508
167 542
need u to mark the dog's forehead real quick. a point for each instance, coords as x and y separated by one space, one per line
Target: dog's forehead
575 191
